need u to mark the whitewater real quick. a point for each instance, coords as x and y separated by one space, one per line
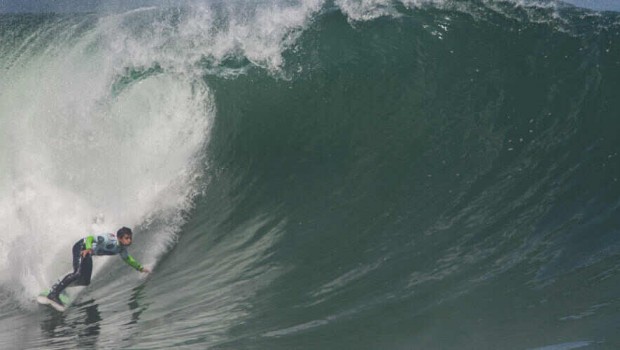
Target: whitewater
415 174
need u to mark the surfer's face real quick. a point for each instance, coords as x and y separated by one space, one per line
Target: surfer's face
125 240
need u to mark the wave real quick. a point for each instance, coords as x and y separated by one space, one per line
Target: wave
308 174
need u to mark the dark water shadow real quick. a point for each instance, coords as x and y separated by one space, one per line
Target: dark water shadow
81 323
136 304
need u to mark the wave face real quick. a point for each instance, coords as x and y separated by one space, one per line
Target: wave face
315 175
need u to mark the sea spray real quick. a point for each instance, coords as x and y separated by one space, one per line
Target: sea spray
82 155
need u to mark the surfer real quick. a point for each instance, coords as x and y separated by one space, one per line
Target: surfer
105 244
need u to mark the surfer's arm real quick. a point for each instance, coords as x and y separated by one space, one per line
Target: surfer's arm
88 245
129 260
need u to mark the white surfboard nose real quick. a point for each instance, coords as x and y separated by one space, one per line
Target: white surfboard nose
41 299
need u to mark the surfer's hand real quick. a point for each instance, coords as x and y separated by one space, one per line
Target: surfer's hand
145 270
86 252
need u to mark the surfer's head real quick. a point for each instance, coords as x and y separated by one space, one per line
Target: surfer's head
124 236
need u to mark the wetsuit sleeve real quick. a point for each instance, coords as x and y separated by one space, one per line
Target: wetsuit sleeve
88 242
130 260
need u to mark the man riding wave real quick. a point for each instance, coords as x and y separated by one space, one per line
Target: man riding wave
85 248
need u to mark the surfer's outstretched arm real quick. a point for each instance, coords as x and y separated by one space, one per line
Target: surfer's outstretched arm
129 260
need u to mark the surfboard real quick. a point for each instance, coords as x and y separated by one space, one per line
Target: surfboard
64 298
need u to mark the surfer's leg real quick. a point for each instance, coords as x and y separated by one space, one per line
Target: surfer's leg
60 286
86 269
64 283
77 250
71 277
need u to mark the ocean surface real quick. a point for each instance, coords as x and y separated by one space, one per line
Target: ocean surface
309 174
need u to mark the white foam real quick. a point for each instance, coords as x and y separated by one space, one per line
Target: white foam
367 10
79 157
214 30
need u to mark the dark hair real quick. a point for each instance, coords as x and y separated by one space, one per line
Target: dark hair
123 231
